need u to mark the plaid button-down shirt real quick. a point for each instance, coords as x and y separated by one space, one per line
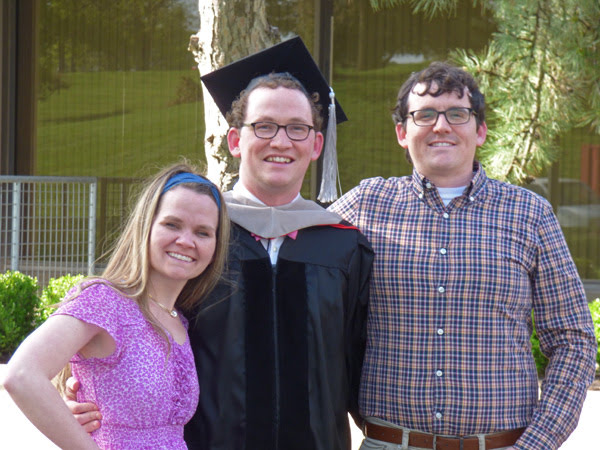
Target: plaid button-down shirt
452 292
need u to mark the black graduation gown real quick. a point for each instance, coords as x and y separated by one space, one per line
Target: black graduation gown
279 349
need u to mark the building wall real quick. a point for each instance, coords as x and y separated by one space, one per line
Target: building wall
108 88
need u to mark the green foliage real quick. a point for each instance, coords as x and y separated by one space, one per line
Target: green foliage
428 7
595 311
21 310
541 361
18 303
53 293
539 74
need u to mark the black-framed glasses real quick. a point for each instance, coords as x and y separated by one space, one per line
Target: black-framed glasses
268 130
454 116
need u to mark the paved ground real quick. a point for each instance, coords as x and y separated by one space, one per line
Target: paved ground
16 433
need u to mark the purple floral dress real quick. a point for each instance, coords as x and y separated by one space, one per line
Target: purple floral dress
144 396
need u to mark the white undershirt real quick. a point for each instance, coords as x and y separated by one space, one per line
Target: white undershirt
449 194
272 246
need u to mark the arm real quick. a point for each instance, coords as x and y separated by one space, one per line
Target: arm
39 358
356 322
564 326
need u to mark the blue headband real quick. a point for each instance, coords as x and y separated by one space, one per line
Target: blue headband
186 177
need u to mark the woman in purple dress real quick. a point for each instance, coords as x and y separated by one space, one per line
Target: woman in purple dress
123 332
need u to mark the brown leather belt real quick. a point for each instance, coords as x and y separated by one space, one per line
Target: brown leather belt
426 440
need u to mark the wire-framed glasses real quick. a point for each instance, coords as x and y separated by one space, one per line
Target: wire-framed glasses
268 130
454 116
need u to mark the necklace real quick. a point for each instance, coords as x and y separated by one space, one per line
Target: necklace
171 312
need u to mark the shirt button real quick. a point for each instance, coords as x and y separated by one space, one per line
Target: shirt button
471 198
440 331
438 415
441 289
275 248
421 196
443 251
439 373
428 185
446 215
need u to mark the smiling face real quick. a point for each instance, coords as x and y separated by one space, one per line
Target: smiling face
273 169
182 238
442 152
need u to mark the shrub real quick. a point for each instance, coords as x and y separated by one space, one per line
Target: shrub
18 304
541 361
53 293
595 310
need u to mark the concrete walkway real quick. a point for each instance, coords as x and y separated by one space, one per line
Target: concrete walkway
16 433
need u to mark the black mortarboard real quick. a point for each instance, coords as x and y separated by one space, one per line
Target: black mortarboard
226 83
291 56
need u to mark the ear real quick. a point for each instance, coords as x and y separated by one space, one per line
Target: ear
233 141
401 135
481 134
317 146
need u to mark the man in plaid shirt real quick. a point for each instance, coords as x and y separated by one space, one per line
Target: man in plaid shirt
461 262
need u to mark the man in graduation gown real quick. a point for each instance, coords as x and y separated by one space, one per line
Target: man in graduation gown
279 344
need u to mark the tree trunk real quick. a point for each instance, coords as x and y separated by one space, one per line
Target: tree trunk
229 30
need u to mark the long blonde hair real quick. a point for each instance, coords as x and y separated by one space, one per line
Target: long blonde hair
128 265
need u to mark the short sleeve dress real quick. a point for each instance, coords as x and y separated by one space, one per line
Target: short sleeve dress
144 394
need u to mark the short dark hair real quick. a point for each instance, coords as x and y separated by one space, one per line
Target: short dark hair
237 114
440 78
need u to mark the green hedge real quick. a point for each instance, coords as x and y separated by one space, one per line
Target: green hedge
18 303
595 310
22 310
53 293
541 361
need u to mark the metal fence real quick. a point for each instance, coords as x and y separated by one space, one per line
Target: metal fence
48 225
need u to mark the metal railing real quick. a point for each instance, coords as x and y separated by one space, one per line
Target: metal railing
48 225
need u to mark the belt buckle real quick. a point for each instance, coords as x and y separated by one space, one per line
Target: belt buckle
461 442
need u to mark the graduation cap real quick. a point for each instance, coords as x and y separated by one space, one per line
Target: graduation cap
291 56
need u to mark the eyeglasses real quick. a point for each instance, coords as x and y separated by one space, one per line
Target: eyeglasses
268 130
454 116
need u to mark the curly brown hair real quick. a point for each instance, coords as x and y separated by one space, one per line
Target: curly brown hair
440 78
237 114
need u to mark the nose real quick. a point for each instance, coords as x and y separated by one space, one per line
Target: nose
441 125
185 238
281 138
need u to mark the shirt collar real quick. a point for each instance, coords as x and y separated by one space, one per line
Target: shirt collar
422 184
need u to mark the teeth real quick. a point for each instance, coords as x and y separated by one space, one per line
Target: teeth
279 159
180 257
441 144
